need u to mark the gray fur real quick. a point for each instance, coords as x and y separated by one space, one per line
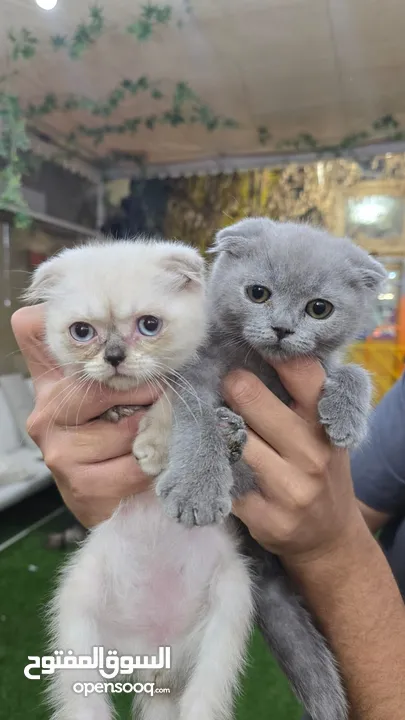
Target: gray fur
298 264
233 428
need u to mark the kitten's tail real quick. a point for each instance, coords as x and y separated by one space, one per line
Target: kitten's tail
299 648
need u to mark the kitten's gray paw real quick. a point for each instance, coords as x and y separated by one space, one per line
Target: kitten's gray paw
345 405
195 502
115 414
233 429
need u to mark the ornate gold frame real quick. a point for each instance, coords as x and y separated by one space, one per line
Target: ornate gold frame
393 188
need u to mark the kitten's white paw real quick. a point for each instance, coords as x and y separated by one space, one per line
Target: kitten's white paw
150 450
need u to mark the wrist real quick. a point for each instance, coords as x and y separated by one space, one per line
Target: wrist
334 556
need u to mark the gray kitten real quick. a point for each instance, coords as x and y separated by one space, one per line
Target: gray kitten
276 291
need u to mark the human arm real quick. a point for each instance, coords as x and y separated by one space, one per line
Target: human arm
374 519
378 466
90 458
308 514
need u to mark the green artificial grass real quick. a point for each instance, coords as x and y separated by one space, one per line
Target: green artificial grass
27 575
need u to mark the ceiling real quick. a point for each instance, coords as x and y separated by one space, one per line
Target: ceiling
325 67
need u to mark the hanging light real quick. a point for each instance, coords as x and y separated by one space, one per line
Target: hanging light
46 4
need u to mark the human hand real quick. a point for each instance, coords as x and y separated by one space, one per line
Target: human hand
89 457
307 503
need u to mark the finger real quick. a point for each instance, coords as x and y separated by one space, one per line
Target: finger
94 496
28 325
119 478
252 509
71 402
97 442
132 479
271 419
303 379
272 472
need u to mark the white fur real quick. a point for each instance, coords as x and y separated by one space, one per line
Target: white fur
141 580
111 284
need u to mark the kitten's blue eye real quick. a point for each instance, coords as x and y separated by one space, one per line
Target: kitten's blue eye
82 332
319 309
258 293
149 325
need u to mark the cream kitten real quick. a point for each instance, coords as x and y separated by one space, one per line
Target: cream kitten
125 313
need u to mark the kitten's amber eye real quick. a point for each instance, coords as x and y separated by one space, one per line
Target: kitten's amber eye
258 293
82 332
149 325
319 309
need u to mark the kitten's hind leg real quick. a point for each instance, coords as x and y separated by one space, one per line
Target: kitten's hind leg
71 692
156 707
73 626
298 646
209 692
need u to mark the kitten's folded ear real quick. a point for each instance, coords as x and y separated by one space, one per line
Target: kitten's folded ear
369 273
234 238
185 265
43 280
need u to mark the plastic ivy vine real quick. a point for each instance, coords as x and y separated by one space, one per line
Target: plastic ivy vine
386 128
182 107
13 144
185 106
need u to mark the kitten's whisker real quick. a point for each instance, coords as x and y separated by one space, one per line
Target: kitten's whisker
72 377
91 383
183 383
71 390
26 348
166 397
250 350
60 365
85 381
167 381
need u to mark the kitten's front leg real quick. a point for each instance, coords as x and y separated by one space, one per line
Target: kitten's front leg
152 441
345 405
196 486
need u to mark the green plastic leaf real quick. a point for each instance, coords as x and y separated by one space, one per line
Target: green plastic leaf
263 135
157 94
141 29
59 41
230 123
150 122
24 44
387 122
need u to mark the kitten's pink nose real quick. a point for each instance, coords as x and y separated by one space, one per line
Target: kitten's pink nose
114 356
282 332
